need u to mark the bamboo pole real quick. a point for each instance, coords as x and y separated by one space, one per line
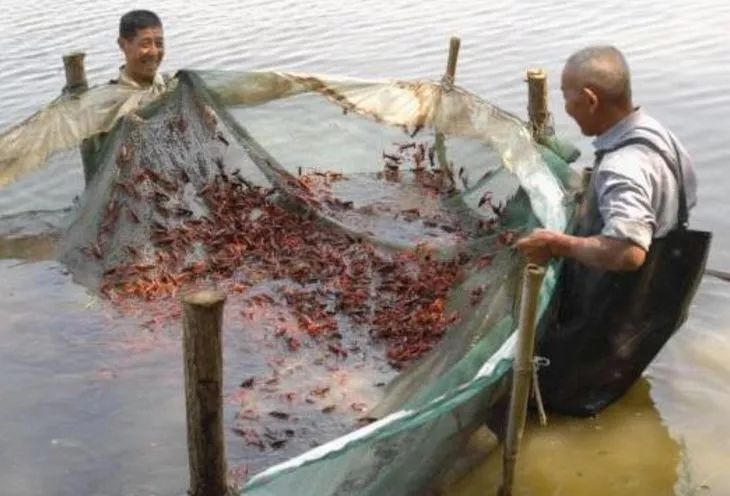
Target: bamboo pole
522 372
76 83
454 45
73 63
537 103
202 322
447 81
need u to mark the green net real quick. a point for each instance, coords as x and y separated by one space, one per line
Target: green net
359 228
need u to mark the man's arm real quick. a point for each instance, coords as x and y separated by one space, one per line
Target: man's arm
598 252
624 191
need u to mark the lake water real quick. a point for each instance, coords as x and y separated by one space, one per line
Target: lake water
94 406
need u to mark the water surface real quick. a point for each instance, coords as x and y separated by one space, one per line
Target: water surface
94 406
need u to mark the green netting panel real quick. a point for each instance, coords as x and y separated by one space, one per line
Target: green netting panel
388 172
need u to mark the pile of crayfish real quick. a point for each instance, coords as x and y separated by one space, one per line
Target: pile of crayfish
247 237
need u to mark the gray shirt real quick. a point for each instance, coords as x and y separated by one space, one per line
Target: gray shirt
637 193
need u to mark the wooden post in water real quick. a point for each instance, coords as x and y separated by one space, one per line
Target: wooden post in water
76 83
203 355
447 81
454 45
522 373
73 63
537 103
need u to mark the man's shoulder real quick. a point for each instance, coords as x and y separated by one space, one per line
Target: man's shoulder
645 119
166 78
630 162
626 154
651 128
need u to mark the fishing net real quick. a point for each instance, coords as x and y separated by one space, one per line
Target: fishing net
362 232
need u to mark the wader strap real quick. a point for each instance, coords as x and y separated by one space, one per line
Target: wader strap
683 214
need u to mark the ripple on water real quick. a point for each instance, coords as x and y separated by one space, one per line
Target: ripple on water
677 51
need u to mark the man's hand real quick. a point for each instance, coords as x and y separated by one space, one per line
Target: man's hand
541 245
599 252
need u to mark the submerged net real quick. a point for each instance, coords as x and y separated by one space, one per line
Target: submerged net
362 232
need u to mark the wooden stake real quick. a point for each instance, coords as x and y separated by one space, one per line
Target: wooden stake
522 372
76 84
447 81
454 45
202 323
75 73
537 103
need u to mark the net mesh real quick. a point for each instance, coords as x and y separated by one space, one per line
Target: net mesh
362 227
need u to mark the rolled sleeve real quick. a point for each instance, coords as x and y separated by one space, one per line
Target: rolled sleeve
624 200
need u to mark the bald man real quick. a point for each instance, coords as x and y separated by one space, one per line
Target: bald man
637 194
604 325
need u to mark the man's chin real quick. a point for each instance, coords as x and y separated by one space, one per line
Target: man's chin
587 132
148 66
151 70
142 77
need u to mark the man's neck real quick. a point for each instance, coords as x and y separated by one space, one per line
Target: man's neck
136 80
614 115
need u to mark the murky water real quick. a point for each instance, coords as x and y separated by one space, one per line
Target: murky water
94 406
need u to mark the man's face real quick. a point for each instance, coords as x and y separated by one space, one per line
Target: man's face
143 53
580 103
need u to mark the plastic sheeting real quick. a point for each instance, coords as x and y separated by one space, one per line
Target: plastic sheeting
64 124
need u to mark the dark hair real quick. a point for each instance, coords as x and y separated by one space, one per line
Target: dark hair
135 20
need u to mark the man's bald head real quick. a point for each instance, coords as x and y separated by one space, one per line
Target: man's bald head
604 70
596 86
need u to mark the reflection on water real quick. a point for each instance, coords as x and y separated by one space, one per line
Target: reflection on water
666 436
625 450
691 385
88 401
83 415
29 248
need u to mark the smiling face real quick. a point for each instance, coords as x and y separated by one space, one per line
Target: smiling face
143 53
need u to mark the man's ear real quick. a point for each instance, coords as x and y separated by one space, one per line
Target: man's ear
592 98
122 43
